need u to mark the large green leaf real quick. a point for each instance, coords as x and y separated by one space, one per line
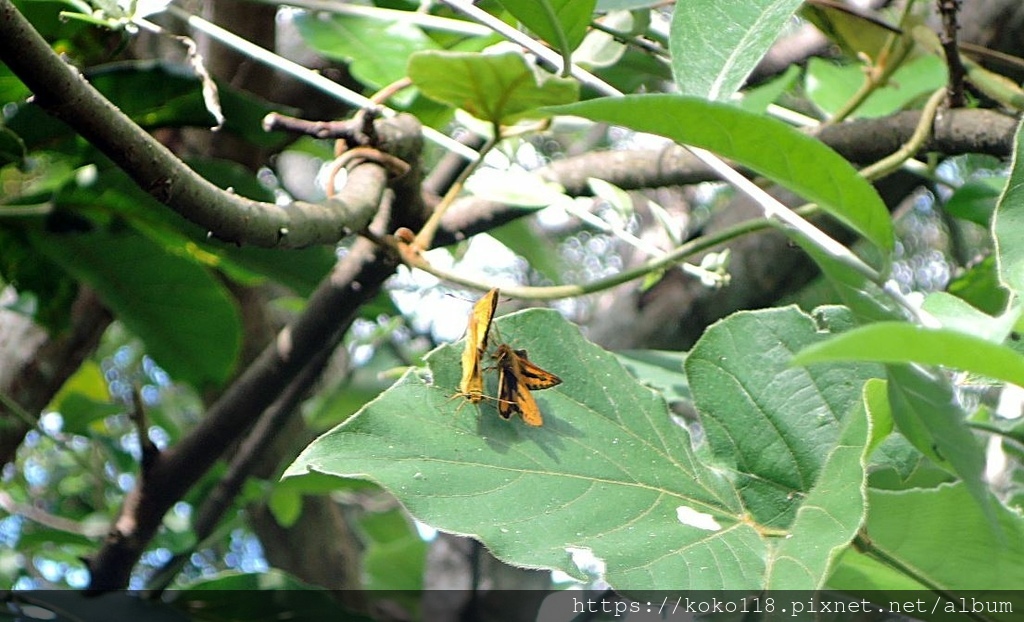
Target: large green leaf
835 505
901 342
925 409
377 50
609 472
767 146
562 23
187 319
498 88
1008 223
715 44
957 314
923 404
946 540
742 382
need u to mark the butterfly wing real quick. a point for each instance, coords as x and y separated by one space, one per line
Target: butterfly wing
472 385
513 394
533 376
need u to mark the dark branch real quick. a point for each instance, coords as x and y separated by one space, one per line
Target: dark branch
949 10
250 452
333 306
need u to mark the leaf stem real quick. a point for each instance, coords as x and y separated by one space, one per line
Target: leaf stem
907 150
862 543
879 71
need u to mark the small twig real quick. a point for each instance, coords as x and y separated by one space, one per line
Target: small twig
10 404
425 238
150 452
275 122
646 248
879 69
950 27
881 168
638 42
34 514
414 259
773 209
390 90
304 74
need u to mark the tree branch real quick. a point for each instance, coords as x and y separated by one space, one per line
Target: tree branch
333 306
862 142
62 91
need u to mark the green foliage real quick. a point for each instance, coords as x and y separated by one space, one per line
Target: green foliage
173 304
898 342
156 94
831 86
715 44
1008 224
942 515
497 88
562 23
377 50
976 200
830 514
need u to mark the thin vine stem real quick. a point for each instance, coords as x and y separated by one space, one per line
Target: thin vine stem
555 292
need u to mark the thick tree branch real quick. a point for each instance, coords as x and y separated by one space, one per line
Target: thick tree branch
62 91
864 141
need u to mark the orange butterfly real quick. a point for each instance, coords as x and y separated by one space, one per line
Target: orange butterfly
516 376
472 385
